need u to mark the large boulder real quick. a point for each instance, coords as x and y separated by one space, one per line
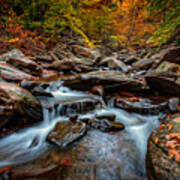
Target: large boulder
163 155
171 54
20 101
164 82
166 66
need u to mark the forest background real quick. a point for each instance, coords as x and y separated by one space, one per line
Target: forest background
40 23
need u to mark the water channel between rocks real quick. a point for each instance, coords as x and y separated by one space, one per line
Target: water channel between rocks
97 155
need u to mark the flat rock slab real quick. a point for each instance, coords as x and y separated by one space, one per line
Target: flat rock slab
112 81
142 106
162 155
10 73
66 133
164 82
166 66
171 54
17 59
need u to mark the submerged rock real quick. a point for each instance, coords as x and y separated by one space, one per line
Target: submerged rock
106 126
131 59
66 133
106 115
98 155
162 157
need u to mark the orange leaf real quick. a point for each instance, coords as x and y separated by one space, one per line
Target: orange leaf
156 141
170 126
161 126
4 169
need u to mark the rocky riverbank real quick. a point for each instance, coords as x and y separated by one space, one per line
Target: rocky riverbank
146 82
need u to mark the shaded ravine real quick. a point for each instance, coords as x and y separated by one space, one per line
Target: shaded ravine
117 155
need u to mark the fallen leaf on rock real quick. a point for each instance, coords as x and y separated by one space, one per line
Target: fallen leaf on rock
175 154
66 162
98 90
177 119
126 94
161 126
172 144
133 99
170 126
55 157
156 141
175 136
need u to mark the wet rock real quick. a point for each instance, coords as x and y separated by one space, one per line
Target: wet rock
21 101
6 175
97 155
142 64
98 90
132 59
17 59
73 118
174 104
29 85
106 115
44 58
106 125
40 172
6 113
166 66
164 82
82 52
142 106
66 133
112 81
171 54
8 55
68 65
113 62
9 73
162 155
40 91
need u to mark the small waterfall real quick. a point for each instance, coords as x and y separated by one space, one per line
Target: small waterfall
29 143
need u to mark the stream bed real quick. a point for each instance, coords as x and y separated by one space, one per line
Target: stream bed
91 151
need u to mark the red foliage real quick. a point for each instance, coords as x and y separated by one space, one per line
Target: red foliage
14 35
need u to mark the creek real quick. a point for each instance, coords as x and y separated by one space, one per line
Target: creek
97 155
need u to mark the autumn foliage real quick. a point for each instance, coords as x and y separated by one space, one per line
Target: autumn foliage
127 22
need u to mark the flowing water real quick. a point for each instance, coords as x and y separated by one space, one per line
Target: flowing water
30 143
